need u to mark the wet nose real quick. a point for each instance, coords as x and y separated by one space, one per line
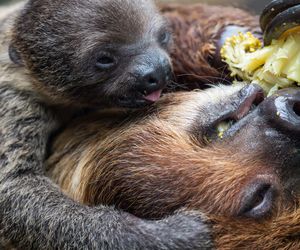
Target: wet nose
154 78
153 74
283 109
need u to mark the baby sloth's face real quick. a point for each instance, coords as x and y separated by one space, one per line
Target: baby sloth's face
96 52
226 151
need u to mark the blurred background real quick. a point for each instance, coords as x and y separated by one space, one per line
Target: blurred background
255 6
7 1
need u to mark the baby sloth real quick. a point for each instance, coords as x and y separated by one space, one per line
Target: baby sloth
100 53
56 57
172 156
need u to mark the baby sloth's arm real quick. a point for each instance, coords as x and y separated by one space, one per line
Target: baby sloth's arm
34 214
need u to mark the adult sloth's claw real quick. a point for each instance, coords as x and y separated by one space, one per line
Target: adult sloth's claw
280 18
273 9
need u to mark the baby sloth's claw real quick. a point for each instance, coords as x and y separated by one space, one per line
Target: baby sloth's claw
274 8
284 22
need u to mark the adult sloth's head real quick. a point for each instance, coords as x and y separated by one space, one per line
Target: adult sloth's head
245 177
94 52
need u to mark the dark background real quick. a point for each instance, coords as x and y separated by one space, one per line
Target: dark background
252 5
7 1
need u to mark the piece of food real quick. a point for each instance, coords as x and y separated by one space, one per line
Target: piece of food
273 67
223 127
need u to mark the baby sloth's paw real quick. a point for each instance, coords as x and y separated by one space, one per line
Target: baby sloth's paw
185 230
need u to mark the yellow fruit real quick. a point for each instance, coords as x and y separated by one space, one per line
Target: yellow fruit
273 67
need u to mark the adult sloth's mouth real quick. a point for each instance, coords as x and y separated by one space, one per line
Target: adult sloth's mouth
281 111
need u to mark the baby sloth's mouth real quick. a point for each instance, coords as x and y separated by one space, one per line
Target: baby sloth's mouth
153 91
144 94
140 100
154 96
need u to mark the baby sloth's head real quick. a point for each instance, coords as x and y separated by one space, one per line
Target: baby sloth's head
94 52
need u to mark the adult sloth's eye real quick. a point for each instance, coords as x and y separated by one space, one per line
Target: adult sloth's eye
105 61
217 130
222 127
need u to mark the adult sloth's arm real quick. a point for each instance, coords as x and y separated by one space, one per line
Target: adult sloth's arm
34 214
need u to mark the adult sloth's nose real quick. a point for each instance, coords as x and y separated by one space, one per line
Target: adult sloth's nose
283 109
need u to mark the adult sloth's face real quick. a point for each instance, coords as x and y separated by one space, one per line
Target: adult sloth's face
225 151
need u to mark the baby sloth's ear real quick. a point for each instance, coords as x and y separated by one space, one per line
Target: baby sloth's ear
14 55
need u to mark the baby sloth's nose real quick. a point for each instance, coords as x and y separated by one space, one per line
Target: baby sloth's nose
155 78
153 75
283 109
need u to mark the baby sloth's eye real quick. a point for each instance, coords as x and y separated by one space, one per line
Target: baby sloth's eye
164 38
105 61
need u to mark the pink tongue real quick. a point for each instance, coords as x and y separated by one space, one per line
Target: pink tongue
153 97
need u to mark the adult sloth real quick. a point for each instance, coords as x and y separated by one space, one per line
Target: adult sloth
224 151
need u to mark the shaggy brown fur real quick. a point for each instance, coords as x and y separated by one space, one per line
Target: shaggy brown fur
161 161
197 31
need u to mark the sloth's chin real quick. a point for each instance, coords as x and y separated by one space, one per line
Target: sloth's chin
133 103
